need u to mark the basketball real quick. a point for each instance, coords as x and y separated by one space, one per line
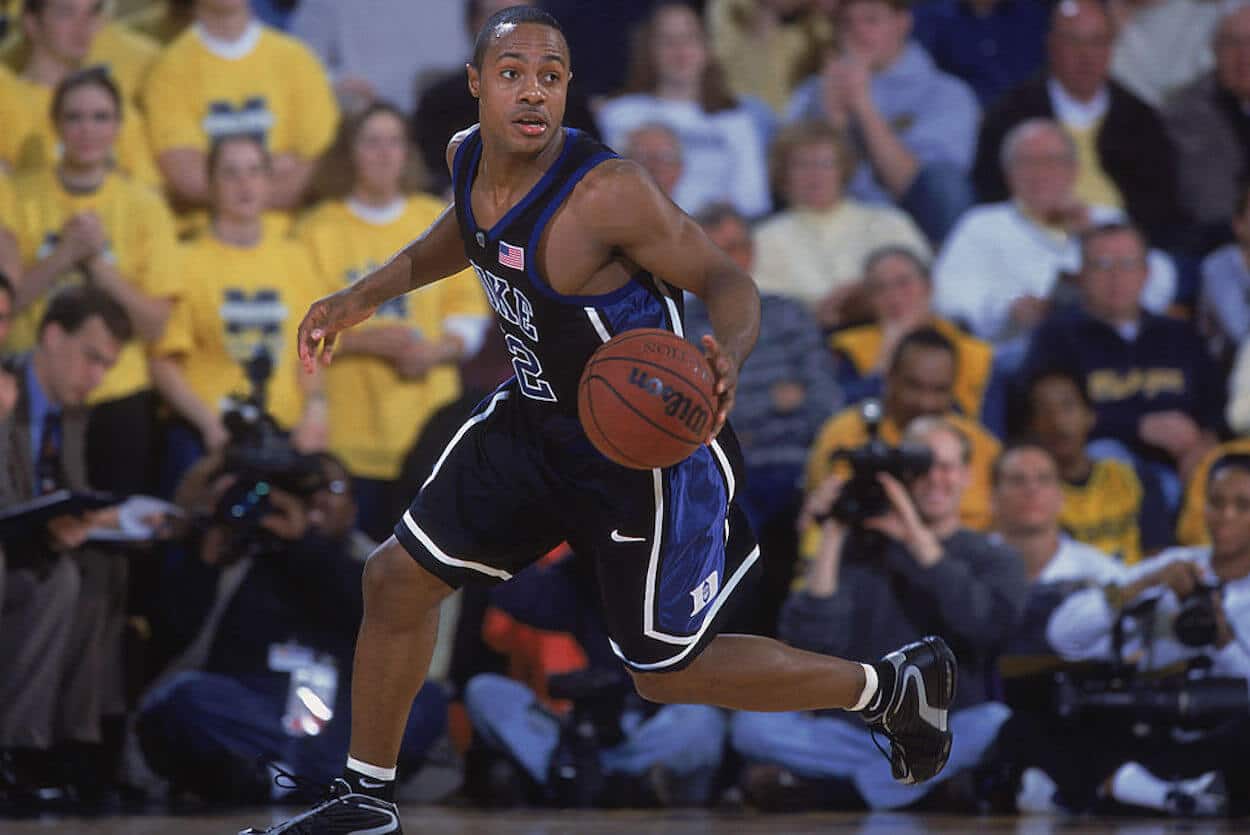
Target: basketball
646 399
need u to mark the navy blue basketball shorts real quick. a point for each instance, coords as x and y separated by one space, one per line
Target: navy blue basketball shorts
670 546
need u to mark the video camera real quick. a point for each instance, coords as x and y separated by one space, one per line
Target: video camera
862 496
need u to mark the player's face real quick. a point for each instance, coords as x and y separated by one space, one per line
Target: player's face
1113 276
875 31
240 182
88 125
1027 497
733 236
814 176
679 48
1080 47
1232 53
923 383
897 291
78 361
380 153
522 86
1042 172
66 28
1061 420
937 492
1228 514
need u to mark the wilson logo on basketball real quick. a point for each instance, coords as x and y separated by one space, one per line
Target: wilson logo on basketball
676 404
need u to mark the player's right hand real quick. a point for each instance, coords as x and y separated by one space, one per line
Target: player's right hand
324 321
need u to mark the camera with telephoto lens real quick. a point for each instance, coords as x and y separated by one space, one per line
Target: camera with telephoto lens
261 458
862 495
1195 624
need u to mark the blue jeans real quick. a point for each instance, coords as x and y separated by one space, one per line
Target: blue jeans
187 724
827 746
686 739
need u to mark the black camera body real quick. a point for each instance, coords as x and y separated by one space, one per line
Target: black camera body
1184 700
1195 624
862 496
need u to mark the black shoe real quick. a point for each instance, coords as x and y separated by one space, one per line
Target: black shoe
910 710
343 812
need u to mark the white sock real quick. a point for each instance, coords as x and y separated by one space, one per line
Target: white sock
1133 785
376 772
870 687
1037 793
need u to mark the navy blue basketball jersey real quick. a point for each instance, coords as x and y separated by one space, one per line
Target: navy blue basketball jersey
550 336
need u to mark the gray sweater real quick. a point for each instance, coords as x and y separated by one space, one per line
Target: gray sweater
973 598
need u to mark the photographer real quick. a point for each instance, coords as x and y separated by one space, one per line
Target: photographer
279 631
893 578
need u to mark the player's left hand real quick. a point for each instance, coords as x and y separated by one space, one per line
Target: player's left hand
726 386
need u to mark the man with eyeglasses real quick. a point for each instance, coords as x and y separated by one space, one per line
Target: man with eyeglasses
1158 397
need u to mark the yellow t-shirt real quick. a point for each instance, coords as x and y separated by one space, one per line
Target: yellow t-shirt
278 88
40 147
1105 511
847 429
14 117
236 300
7 200
974 358
1093 186
375 416
1191 527
127 54
141 240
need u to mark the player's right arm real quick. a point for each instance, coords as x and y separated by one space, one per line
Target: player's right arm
437 254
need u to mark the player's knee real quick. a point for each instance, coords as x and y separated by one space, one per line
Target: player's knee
392 575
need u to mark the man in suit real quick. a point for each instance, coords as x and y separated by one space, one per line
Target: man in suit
62 610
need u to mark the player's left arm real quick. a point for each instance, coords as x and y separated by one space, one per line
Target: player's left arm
629 214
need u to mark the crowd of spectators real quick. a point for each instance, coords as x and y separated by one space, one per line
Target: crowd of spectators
1014 234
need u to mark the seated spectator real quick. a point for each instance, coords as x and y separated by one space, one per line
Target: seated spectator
915 125
285 623
919 382
633 745
1004 266
993 45
62 606
392 373
81 221
229 74
861 597
814 251
1191 527
1124 158
162 21
83 36
1210 127
1107 502
785 393
900 295
445 107
786 40
1155 390
673 80
657 148
60 35
245 288
1147 29
1224 300
1171 766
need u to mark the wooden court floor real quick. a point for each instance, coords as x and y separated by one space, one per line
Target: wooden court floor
445 821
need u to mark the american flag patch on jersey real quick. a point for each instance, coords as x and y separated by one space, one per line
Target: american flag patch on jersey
511 256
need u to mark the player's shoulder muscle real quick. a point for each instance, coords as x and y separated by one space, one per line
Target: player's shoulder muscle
617 196
454 145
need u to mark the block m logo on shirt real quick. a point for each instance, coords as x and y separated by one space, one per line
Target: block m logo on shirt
253 118
252 321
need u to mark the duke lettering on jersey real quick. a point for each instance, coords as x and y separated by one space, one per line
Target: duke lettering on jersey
508 301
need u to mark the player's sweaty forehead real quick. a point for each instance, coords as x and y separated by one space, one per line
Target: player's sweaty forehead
529 42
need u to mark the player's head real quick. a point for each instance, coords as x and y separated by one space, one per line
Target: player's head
897 282
730 231
1228 507
62 29
920 379
7 298
239 177
1028 496
87 112
1059 414
520 76
80 336
938 492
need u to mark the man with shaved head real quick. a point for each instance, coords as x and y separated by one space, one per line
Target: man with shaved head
1125 159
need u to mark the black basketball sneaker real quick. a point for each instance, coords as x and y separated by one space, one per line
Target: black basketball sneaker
343 812
911 709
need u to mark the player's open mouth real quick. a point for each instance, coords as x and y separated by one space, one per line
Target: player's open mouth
531 125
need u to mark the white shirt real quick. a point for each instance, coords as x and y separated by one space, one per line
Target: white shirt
1181 30
997 254
1078 114
1080 561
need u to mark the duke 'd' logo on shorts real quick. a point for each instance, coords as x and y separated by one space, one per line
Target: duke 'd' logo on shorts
676 404
705 592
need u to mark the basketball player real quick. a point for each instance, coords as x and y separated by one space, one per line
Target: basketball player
574 245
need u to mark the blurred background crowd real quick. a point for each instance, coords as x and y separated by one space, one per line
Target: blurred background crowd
1014 234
